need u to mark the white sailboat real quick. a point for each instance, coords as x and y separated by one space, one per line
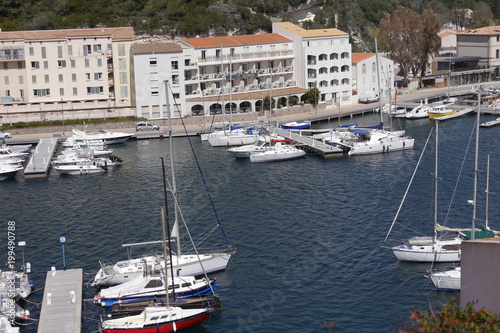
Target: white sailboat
432 248
278 152
381 141
194 264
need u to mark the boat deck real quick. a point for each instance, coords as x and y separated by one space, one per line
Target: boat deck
39 164
310 145
62 302
455 115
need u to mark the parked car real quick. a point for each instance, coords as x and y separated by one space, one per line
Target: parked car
5 135
144 126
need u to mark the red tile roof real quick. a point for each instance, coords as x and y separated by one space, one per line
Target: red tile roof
357 57
225 41
493 30
116 33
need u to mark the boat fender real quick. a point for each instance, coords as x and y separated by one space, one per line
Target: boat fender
32 285
174 326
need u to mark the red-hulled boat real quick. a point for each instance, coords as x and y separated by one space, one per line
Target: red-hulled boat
157 320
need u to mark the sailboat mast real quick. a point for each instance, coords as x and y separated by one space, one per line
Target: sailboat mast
175 230
164 235
487 220
378 83
476 157
436 180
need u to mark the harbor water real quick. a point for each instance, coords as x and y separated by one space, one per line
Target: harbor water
307 232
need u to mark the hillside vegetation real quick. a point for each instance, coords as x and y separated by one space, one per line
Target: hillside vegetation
190 18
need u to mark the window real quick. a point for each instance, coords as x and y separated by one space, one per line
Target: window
363 69
87 76
323 57
7 92
344 68
97 48
87 49
70 50
59 51
33 79
99 62
121 50
217 53
122 64
186 62
124 92
6 65
334 56
497 54
87 62
61 91
21 79
61 78
41 92
175 65
153 62
44 53
35 65
231 51
47 79
6 80
154 91
95 90
73 77
123 78
19 65
75 91
203 55
61 63
175 79
45 64
73 63
32 51
98 76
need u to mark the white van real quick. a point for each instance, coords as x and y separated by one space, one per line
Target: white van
144 126
368 97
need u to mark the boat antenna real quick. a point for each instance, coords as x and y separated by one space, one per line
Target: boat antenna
219 223
378 85
476 155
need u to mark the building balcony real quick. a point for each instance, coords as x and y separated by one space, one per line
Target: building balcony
245 57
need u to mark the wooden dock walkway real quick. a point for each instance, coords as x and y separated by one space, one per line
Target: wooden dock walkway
491 123
62 302
39 164
455 115
310 145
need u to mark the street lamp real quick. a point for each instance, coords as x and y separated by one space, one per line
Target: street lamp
62 239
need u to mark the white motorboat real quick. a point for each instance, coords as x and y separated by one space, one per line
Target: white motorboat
447 280
222 132
235 138
82 168
78 142
418 112
297 125
144 288
9 170
109 138
5 325
85 151
75 160
374 142
22 285
279 152
7 154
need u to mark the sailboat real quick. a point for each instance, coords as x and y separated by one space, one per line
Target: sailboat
381 141
430 248
194 264
161 319
158 319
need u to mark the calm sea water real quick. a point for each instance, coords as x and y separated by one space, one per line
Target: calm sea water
307 232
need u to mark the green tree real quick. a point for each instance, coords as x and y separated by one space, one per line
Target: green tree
312 96
453 319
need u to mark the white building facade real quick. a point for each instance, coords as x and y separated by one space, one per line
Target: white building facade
69 70
482 42
364 74
323 60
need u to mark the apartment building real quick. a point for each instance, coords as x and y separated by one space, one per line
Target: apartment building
236 74
322 60
483 43
364 74
69 70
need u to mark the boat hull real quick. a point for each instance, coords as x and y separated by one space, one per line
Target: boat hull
109 276
433 115
382 147
447 280
426 253
274 156
161 328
